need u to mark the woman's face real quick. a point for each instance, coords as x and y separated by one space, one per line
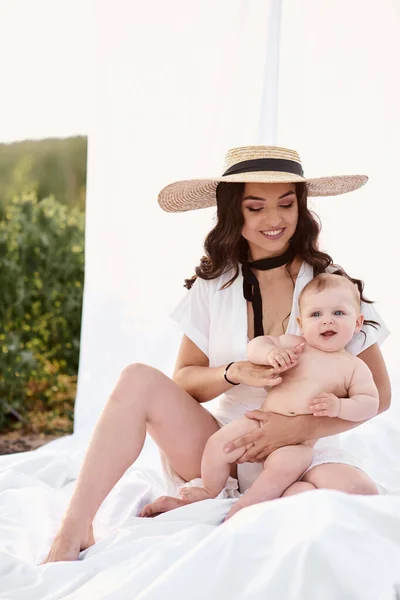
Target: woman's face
270 212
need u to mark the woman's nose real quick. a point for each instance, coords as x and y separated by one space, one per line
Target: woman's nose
273 214
272 220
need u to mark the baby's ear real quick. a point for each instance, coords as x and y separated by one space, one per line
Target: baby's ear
360 322
299 322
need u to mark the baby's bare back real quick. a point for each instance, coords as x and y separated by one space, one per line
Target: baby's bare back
316 372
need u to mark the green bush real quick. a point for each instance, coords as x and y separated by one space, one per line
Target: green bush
51 167
41 282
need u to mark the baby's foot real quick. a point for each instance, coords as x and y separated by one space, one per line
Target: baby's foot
161 505
69 543
194 494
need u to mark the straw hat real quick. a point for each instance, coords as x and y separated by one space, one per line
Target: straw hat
263 164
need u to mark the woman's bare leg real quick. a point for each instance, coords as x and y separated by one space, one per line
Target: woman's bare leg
143 398
342 477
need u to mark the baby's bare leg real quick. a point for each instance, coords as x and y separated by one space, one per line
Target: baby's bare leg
282 468
216 463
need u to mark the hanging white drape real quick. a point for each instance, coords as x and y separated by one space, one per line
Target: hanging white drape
339 93
176 85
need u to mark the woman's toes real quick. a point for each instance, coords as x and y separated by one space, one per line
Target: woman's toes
233 510
145 512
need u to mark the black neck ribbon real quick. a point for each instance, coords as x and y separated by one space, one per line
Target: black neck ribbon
251 287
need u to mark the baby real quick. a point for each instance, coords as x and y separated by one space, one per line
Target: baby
326 381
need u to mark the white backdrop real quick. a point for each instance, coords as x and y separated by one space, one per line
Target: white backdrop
175 85
174 89
339 93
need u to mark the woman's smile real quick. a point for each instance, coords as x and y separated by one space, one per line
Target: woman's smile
273 234
270 214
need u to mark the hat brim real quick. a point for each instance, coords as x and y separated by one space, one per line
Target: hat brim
193 194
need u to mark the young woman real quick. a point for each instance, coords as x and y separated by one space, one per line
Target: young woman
259 256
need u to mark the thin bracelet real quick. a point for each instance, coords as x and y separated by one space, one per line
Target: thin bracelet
225 372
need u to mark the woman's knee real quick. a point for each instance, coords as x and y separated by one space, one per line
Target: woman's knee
135 381
361 484
344 478
137 369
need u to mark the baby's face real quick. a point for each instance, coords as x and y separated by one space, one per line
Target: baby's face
328 319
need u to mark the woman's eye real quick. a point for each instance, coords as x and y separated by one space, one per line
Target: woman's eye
251 209
287 205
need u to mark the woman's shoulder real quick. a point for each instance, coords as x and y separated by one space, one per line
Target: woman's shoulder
218 283
305 273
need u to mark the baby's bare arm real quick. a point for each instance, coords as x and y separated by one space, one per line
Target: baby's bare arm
260 347
363 400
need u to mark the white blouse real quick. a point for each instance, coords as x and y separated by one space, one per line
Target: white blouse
215 320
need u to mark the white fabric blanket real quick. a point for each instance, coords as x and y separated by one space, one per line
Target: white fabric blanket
318 544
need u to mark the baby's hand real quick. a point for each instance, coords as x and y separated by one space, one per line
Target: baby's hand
283 359
325 405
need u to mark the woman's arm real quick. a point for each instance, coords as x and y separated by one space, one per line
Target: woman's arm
193 373
373 358
277 430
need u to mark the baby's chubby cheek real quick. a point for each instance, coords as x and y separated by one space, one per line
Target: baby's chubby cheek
311 336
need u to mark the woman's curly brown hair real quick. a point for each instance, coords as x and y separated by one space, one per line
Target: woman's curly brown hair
226 249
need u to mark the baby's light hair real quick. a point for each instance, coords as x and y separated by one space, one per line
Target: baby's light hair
329 281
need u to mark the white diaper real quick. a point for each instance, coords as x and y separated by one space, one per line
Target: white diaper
326 450
175 483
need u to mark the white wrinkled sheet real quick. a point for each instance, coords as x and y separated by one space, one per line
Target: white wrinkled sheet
319 544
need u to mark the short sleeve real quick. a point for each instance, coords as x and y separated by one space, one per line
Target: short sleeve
374 334
192 314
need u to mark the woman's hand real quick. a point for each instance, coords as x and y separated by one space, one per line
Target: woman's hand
255 375
275 431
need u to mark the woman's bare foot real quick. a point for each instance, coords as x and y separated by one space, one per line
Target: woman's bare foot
162 505
68 543
235 508
194 494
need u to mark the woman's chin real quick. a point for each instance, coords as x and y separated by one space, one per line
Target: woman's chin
267 248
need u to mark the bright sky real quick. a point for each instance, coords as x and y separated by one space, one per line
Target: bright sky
45 86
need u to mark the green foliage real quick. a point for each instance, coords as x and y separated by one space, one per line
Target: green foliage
41 281
51 167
